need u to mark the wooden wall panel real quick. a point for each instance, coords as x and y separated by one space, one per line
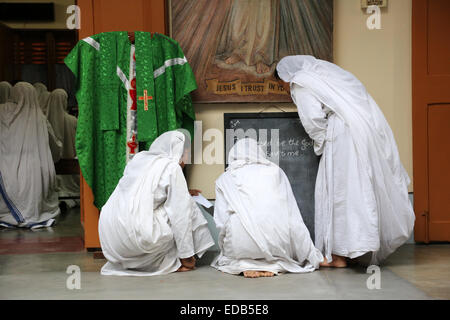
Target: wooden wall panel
439 172
431 119
438 49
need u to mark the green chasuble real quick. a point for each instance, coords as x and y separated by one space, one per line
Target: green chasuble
107 68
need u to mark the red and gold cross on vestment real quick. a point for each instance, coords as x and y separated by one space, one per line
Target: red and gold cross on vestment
146 97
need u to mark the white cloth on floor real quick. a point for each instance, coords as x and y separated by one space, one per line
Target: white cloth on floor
63 126
259 222
151 221
27 173
361 197
43 95
5 91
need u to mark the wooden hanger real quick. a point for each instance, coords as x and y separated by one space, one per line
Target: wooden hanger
131 36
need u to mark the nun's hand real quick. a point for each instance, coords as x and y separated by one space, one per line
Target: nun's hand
194 192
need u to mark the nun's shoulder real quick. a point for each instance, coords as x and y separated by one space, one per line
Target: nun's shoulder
221 178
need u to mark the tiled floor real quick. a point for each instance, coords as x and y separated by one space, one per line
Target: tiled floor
425 266
64 236
33 266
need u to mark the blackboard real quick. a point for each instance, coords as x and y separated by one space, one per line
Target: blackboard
292 144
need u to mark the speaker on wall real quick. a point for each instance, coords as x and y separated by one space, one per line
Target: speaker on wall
27 12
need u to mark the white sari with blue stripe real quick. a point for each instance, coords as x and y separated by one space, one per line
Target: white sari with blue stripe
28 195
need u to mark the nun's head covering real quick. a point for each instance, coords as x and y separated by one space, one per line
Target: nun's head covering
43 95
307 71
23 99
56 109
170 144
40 87
246 151
24 94
186 157
288 67
57 100
5 91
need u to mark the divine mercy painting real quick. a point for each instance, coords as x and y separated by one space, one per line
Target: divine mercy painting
233 46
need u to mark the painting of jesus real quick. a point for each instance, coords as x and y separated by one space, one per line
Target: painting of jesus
233 46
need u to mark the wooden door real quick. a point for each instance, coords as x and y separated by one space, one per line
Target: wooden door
103 16
431 118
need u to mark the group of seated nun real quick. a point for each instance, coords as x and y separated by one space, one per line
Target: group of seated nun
151 225
36 132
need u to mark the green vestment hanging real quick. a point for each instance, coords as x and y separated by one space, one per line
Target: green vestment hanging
101 65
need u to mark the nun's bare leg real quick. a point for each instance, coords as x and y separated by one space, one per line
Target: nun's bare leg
257 274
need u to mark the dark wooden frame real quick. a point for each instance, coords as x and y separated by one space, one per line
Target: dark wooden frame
51 50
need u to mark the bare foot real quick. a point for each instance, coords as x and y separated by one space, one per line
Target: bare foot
338 262
184 269
262 68
234 58
258 274
188 262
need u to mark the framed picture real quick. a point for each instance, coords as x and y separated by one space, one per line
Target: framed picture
233 46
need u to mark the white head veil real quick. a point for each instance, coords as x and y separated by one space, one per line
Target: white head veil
246 151
168 145
43 95
317 75
23 95
56 108
167 148
5 91
40 87
288 67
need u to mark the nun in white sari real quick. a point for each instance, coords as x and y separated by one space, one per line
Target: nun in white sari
362 207
64 127
151 222
28 195
261 230
5 91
